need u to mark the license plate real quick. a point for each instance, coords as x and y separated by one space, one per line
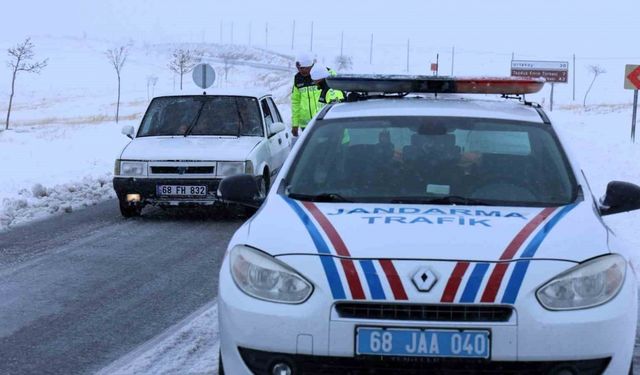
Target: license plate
423 342
180 190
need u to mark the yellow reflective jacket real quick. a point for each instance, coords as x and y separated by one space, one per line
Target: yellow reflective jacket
307 99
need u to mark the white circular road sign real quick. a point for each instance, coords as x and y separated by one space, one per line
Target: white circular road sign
204 75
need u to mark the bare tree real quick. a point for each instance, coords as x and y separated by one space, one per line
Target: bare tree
152 81
227 63
117 57
343 62
596 70
20 60
183 61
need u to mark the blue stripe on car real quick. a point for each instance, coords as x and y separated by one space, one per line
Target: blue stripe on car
330 269
517 277
372 279
473 284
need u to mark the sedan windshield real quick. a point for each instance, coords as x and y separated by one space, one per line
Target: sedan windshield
202 115
432 160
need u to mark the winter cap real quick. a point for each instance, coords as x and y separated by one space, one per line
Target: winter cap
305 59
319 72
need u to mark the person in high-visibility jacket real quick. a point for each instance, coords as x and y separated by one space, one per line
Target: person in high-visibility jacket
306 95
328 95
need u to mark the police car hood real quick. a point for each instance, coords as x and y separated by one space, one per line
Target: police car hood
214 148
439 232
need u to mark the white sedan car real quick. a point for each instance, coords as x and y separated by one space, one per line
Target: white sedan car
186 144
446 236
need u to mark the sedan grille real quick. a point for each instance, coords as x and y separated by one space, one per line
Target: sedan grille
432 312
182 170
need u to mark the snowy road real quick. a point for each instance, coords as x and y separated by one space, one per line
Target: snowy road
81 290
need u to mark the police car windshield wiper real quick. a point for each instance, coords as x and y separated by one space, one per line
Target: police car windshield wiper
449 199
324 197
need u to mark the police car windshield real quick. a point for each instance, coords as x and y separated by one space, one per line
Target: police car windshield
202 115
436 160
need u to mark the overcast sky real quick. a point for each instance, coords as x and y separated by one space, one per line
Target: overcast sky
599 28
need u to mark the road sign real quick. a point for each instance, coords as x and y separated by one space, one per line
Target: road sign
632 77
204 76
552 71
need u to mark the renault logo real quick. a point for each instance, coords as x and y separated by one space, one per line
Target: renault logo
424 279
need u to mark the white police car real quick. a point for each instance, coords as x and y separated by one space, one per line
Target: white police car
428 235
186 144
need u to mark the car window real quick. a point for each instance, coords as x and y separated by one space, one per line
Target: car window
202 115
268 118
387 159
274 110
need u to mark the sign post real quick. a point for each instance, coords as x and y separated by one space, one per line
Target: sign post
632 82
204 76
552 71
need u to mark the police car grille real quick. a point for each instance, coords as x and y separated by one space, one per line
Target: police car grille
431 312
261 363
182 170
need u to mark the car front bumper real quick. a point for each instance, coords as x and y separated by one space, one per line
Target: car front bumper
146 187
313 339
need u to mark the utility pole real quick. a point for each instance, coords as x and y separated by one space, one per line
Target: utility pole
437 64
453 58
342 43
231 32
311 43
293 34
371 50
408 48
221 31
266 34
574 77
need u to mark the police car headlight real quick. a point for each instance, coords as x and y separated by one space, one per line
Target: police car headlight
133 168
262 276
230 168
589 284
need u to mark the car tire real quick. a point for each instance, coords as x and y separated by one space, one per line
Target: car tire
220 366
129 211
264 184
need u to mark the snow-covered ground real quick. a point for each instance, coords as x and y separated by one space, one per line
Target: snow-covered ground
189 347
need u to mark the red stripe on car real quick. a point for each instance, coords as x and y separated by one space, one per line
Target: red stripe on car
341 249
493 285
394 280
453 284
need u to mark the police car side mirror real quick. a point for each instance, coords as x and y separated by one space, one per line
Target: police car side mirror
240 189
620 197
128 131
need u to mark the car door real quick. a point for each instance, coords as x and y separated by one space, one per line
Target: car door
274 140
279 139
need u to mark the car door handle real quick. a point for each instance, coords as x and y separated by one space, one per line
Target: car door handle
280 141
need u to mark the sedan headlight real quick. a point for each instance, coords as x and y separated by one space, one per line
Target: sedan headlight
133 168
589 284
230 168
262 276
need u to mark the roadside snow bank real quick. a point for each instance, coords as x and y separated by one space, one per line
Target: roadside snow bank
50 169
40 201
189 348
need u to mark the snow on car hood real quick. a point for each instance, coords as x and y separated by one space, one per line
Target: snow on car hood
438 232
190 148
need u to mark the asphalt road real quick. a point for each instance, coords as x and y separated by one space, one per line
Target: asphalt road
80 290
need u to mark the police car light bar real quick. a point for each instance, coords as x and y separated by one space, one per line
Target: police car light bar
403 84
